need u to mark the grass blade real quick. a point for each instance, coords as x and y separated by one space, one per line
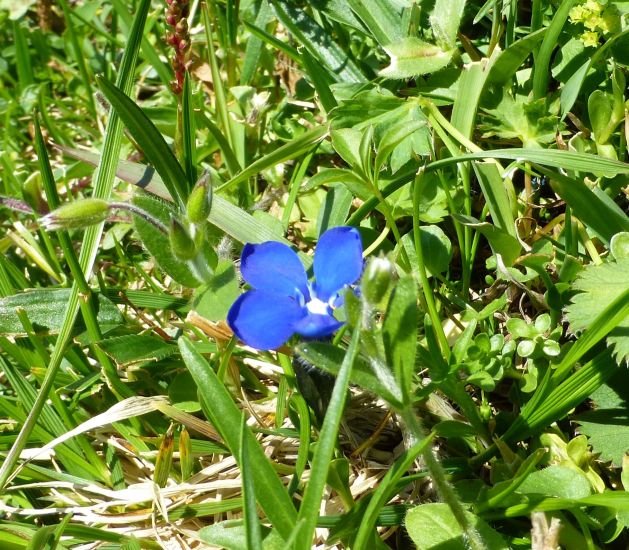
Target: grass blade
252 522
541 68
148 138
104 180
309 510
316 40
226 418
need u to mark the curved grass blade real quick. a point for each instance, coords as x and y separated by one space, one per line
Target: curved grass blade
286 152
234 221
566 160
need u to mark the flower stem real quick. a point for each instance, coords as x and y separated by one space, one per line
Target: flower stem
438 475
423 276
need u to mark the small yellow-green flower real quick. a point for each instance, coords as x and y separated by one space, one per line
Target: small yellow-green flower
589 38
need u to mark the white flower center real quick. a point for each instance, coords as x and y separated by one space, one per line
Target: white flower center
318 307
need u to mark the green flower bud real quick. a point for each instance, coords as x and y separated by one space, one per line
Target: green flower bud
181 242
200 202
77 214
376 280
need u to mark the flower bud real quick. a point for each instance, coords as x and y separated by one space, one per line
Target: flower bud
200 202
376 280
181 243
77 214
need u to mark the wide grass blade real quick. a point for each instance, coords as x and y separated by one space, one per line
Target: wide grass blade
606 218
309 510
541 68
149 139
226 417
566 160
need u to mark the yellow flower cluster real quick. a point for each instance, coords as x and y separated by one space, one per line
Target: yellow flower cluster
597 19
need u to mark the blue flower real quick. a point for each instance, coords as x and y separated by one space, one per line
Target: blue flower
282 301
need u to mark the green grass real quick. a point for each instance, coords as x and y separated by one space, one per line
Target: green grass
480 148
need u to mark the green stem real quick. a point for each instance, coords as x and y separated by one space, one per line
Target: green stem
423 276
438 475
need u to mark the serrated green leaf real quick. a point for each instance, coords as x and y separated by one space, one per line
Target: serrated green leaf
607 426
599 286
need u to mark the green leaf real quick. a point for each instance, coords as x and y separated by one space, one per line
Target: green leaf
541 67
318 42
46 311
566 160
445 20
134 349
156 242
557 481
534 123
412 57
231 535
434 527
495 192
225 416
619 246
214 299
596 210
510 60
149 139
399 332
436 247
253 529
381 18
183 394
335 209
599 286
500 241
607 426
329 358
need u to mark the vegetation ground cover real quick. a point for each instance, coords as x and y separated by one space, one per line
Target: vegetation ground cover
332 274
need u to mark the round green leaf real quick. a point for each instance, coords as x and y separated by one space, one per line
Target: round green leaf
434 527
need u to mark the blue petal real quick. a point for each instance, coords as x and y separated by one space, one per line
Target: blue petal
264 320
275 267
317 326
338 261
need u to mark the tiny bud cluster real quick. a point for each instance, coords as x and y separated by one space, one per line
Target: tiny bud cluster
179 39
